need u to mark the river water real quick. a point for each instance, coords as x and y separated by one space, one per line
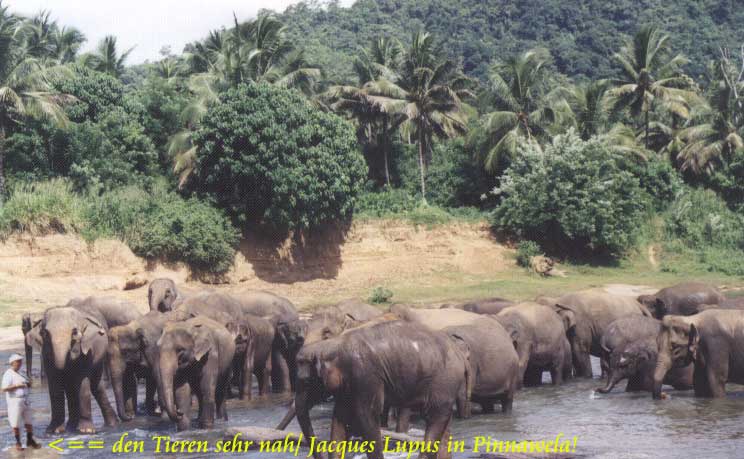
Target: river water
613 426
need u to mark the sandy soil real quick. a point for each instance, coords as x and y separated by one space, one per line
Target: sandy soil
36 273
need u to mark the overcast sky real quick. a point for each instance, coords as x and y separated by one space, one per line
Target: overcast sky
147 24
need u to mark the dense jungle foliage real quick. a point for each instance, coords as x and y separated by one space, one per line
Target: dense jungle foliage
586 130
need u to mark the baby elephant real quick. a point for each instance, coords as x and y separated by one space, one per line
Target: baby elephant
195 356
629 347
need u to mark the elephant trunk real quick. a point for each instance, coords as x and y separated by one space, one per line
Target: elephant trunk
612 379
291 412
167 370
663 365
117 369
302 405
60 351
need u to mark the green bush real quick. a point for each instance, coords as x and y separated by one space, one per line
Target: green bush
95 93
701 219
385 203
659 179
268 157
525 251
41 208
380 295
572 197
162 225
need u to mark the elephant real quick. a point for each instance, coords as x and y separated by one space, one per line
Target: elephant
541 342
289 337
163 295
681 299
629 348
494 364
131 355
712 340
226 310
586 315
486 306
332 321
195 356
390 362
436 319
261 333
74 345
115 311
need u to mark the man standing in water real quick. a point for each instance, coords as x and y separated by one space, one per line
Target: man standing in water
16 386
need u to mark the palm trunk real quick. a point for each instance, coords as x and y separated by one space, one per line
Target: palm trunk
2 164
646 122
421 162
385 148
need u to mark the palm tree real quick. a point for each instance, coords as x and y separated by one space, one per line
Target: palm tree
524 112
66 43
587 107
648 79
25 90
376 102
434 91
106 58
722 131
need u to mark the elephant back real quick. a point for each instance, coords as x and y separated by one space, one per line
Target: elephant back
115 312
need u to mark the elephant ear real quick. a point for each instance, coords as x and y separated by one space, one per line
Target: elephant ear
92 332
514 336
349 322
33 337
568 315
331 374
202 343
660 308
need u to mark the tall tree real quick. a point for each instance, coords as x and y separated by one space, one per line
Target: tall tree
524 109
649 78
25 90
434 92
721 130
106 57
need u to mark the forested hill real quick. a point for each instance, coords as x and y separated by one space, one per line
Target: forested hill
581 34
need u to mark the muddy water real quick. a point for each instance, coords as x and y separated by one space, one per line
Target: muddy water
618 425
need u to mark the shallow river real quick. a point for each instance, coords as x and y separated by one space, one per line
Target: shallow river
618 425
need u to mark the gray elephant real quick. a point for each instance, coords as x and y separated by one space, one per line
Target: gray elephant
131 355
195 356
586 316
629 347
398 363
332 321
259 333
713 341
494 364
485 306
289 337
682 299
162 295
74 343
541 342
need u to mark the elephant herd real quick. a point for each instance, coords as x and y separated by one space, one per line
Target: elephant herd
422 360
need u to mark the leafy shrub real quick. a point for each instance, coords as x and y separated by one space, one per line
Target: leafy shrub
572 197
728 180
387 202
41 208
525 251
95 93
380 295
701 219
163 225
266 156
659 179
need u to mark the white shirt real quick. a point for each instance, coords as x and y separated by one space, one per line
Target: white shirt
12 378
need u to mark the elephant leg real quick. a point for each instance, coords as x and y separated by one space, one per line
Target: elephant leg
57 399
533 376
99 392
279 372
486 406
85 424
403 423
221 394
716 371
183 406
130 391
366 411
700 382
556 374
208 389
340 420
437 424
150 391
507 400
72 393
582 361
385 416
635 383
